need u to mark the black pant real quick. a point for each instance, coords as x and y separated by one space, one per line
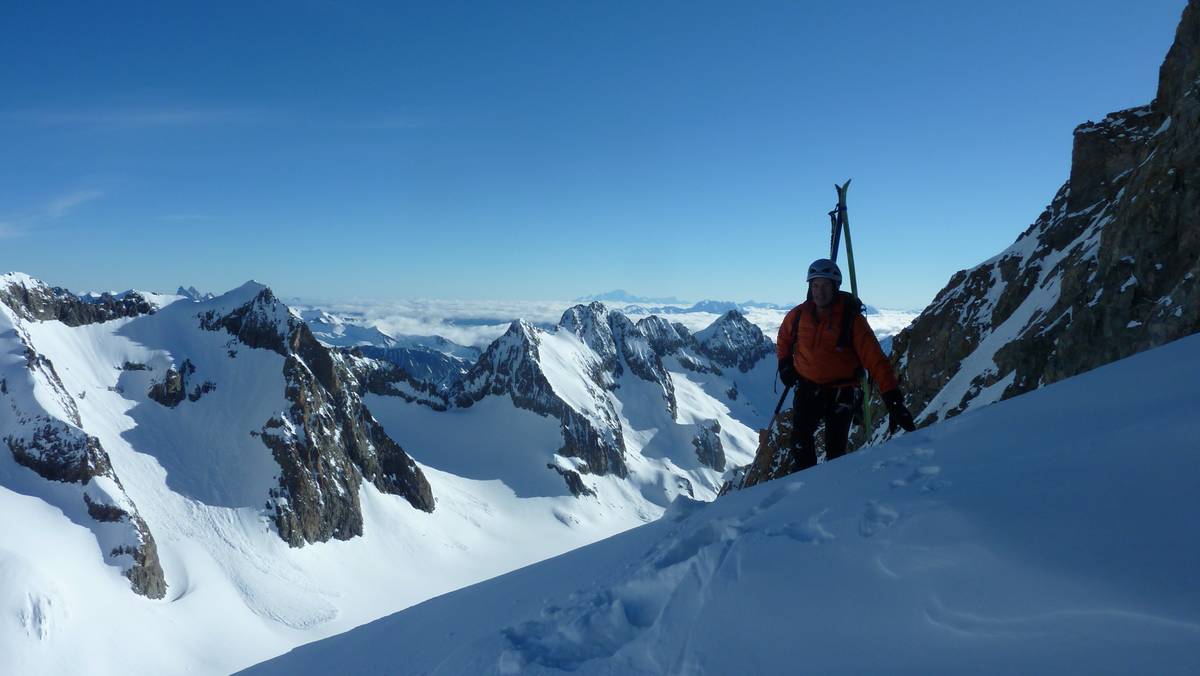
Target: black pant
812 405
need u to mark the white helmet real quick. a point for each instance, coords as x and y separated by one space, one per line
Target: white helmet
825 268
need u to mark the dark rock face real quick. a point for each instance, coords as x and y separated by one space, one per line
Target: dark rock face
145 576
263 323
386 378
707 443
103 512
328 442
175 387
674 340
1108 270
58 451
574 481
31 300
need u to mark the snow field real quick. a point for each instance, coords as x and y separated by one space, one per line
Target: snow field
1050 533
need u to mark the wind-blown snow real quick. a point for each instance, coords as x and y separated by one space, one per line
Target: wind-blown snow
1050 533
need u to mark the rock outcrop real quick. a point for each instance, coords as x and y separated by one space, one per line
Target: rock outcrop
707 443
177 386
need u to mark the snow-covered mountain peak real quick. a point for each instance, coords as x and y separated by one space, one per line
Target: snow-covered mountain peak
243 294
664 336
21 279
732 340
715 306
522 331
321 316
253 314
577 314
591 323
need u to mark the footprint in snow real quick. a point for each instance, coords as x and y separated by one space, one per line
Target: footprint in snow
690 546
920 475
778 495
876 518
811 531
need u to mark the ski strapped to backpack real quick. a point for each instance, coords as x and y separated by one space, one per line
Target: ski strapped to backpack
840 225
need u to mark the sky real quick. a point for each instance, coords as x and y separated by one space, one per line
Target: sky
545 150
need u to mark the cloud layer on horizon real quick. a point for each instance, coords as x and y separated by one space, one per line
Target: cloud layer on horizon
478 323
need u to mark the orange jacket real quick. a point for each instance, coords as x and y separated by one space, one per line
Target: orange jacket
815 353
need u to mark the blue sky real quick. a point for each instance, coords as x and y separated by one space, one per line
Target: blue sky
534 150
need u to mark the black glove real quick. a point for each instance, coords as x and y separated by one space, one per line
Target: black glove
787 372
898 415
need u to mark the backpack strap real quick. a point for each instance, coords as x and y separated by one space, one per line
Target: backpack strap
851 309
796 328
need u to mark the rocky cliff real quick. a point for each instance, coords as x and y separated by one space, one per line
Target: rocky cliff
1108 270
315 427
326 442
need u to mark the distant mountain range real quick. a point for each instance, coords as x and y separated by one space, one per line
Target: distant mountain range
231 450
623 296
718 307
673 305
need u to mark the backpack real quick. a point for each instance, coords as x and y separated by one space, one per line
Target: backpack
852 307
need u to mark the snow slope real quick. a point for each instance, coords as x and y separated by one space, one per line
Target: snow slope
1050 533
236 593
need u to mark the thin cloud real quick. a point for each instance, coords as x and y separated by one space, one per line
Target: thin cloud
127 118
163 117
61 206
478 323
53 210
186 218
389 122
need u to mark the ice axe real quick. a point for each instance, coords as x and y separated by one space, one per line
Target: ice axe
762 434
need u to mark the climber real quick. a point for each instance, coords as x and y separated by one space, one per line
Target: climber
824 344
